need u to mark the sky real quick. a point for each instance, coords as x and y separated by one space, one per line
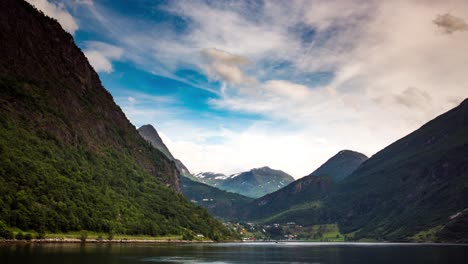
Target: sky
234 85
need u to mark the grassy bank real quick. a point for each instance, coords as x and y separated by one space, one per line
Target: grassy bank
96 237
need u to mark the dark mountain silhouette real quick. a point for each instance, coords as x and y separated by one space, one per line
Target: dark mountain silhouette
414 189
341 165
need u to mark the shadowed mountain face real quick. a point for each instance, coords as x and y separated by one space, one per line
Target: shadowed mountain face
36 51
414 187
415 184
341 165
69 158
222 204
149 133
254 183
307 192
303 194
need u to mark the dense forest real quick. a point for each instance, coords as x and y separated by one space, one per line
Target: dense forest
47 185
69 158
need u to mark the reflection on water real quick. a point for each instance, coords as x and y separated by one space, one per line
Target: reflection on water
233 253
179 260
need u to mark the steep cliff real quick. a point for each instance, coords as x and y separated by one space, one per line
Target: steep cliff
69 158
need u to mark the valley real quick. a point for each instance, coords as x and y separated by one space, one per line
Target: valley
74 167
361 197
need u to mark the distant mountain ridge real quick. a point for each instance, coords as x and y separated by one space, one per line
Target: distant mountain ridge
254 183
308 191
150 134
222 204
341 165
211 178
415 189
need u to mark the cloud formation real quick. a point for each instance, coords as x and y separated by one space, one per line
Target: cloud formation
226 67
387 72
101 55
450 24
57 11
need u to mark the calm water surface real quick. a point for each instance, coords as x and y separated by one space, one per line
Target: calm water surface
234 253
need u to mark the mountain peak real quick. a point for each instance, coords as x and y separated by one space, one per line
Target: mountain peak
264 168
351 152
341 165
150 134
257 182
148 127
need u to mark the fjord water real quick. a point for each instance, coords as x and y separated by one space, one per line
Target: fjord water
234 253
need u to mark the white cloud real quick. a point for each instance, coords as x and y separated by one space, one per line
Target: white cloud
101 55
391 71
84 2
57 11
131 99
219 56
384 87
226 67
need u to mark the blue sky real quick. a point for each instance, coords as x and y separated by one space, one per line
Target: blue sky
232 85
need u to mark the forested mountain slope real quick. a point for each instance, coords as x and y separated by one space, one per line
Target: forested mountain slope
414 189
417 183
222 204
69 158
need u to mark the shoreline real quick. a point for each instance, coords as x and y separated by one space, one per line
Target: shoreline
99 241
179 241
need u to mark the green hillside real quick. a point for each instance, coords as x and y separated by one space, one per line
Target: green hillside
416 189
341 165
415 184
222 204
305 195
69 158
301 196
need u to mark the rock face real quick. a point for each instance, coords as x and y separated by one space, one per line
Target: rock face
182 169
256 182
341 165
69 158
37 50
149 133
